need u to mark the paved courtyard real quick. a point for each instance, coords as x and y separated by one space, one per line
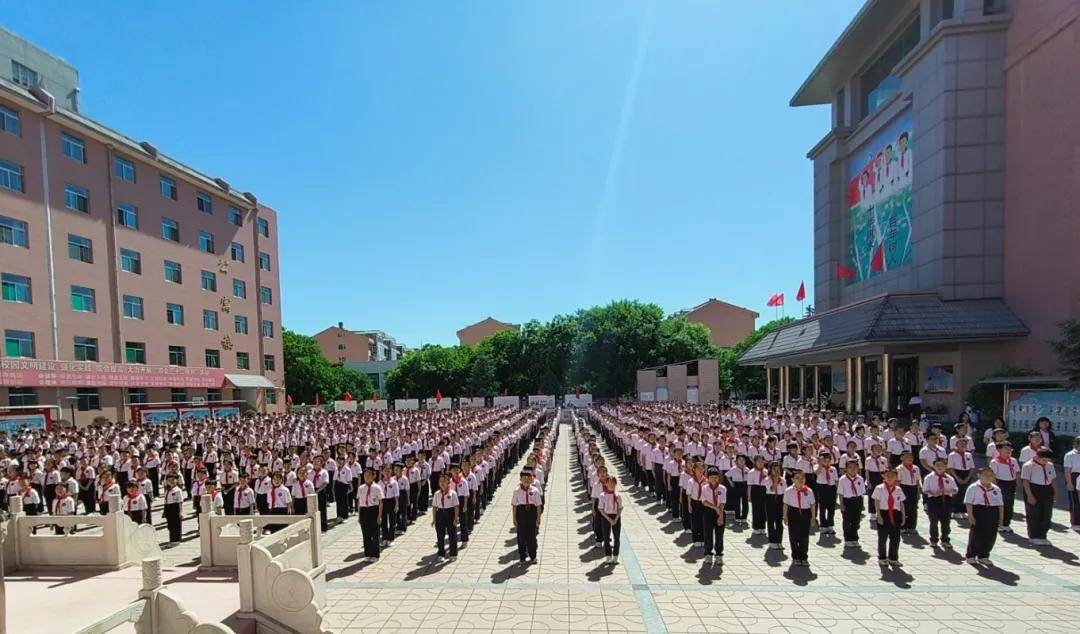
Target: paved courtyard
660 584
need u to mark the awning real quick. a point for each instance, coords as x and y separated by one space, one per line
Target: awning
249 380
910 318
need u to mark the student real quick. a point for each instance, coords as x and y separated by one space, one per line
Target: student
217 502
890 508
526 512
134 504
343 489
962 468
230 479
369 496
174 504
446 514
31 497
673 469
826 492
852 488
63 504
389 487
461 487
403 496
1006 471
243 498
713 499
1072 471
736 478
774 506
799 503
1038 475
146 487
910 480
756 480
300 488
425 483
320 478
610 508
694 485
107 487
199 489
985 513
940 488
280 502
261 485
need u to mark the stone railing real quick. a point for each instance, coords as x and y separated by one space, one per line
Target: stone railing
109 541
283 578
156 611
219 535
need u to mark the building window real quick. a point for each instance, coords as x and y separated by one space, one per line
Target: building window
243 362
268 363
133 308
137 396
235 217
177 355
170 230
213 396
264 261
22 397
209 319
9 121
209 281
271 396
16 288
993 7
168 188
174 314
134 352
266 295
86 349
878 84
19 344
173 272
204 203
23 75
341 346
89 399
240 325
206 242
213 358
268 329
178 395
82 300
13 232
239 289
80 248
236 252
11 176
264 227
123 169
73 148
130 261
127 216
77 199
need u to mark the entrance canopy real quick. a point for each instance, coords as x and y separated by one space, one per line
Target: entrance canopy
909 318
249 380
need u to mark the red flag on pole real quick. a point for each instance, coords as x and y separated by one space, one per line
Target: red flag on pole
438 396
801 295
772 301
347 397
779 299
288 400
374 397
844 273
877 263
317 403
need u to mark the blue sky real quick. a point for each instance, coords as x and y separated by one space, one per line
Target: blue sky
436 163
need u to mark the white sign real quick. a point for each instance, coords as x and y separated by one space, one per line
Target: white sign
577 400
378 406
648 397
406 404
444 403
504 401
344 406
466 403
198 400
542 400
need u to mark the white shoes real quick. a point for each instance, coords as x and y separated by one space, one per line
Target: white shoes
972 560
985 560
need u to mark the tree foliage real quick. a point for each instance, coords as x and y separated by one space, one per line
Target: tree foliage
308 372
1067 347
747 381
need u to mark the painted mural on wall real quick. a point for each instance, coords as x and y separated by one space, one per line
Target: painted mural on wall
879 201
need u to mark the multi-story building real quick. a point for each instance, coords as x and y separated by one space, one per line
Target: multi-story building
945 200
372 352
475 333
728 324
128 277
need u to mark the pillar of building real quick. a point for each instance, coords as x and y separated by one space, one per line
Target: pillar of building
849 392
886 381
802 385
817 385
768 385
858 385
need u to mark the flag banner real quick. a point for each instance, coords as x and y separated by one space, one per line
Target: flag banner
844 273
801 295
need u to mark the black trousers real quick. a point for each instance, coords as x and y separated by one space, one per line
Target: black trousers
826 499
608 532
712 531
174 521
444 527
738 499
464 514
414 500
369 526
757 507
262 502
676 495
228 498
299 505
799 532
774 517
696 521
661 482
853 508
1038 510
1008 496
341 499
389 521
526 515
911 506
888 536
939 512
425 495
983 534
154 474
321 496
597 521
958 499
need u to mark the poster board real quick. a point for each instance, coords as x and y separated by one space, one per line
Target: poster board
193 414
1062 407
345 406
471 403
445 403
647 397
542 400
939 379
376 406
159 416
11 423
406 404
226 412
504 401
577 400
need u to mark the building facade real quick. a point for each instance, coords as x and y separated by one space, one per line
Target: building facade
128 278
371 352
690 382
475 333
932 209
728 324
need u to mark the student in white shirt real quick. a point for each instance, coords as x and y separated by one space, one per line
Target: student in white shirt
889 500
774 506
799 505
910 479
446 510
1006 473
1038 475
713 496
985 513
526 514
940 488
63 504
1072 471
852 489
610 507
174 503
280 501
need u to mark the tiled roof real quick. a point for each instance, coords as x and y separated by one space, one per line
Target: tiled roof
923 317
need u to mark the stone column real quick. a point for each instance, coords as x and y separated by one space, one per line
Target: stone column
768 385
858 385
817 385
802 385
886 387
849 393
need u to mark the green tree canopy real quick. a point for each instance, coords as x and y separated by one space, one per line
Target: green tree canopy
308 372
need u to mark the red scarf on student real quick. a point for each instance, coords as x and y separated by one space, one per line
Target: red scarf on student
1006 461
892 502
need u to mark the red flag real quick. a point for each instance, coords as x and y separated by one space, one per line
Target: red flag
772 301
844 273
374 397
438 396
288 400
347 397
779 299
801 295
877 263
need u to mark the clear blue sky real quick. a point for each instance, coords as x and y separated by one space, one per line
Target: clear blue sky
433 163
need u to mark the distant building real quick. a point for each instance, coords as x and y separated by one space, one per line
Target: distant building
728 324
372 352
474 334
688 382
28 66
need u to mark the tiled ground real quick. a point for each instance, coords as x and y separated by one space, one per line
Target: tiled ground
660 585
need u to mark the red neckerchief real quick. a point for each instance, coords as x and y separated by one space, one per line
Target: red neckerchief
57 502
799 494
985 491
941 484
1046 474
892 502
1007 461
911 471
963 458
851 482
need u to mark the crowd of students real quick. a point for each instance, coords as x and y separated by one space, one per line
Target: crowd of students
387 467
766 468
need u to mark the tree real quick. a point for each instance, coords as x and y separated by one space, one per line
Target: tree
613 342
421 373
1067 347
307 373
748 381
680 340
989 398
